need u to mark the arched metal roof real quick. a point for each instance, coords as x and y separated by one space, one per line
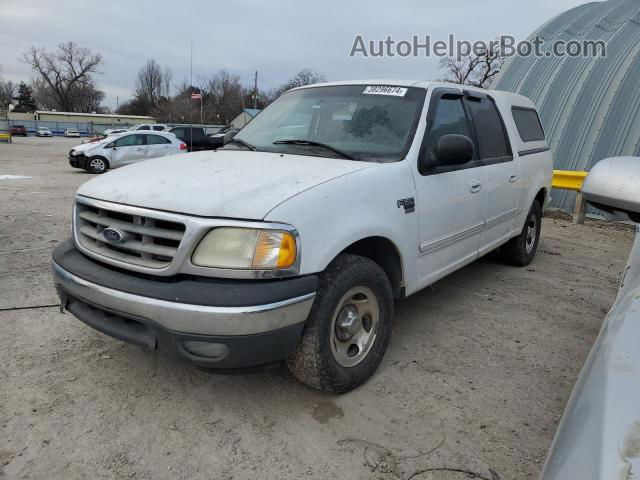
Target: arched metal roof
590 107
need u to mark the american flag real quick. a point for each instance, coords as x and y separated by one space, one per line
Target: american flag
196 96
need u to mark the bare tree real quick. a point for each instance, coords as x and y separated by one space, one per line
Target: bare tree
8 91
476 70
223 96
306 76
66 71
43 95
152 84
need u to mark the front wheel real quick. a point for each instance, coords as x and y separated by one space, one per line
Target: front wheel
97 165
520 250
348 329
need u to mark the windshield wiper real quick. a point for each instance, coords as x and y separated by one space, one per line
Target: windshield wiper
248 146
311 143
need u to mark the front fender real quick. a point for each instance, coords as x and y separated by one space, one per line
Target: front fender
335 214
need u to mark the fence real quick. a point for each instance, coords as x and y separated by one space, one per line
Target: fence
86 129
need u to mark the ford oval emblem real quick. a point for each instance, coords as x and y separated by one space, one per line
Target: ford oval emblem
113 235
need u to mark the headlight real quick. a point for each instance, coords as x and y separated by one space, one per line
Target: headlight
246 248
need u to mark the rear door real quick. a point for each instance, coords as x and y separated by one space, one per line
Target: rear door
503 179
450 198
199 142
158 146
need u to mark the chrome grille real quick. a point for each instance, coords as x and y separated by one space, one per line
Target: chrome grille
148 242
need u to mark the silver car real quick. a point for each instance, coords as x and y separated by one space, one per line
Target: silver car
599 435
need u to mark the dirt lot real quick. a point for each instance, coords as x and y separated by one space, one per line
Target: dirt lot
477 375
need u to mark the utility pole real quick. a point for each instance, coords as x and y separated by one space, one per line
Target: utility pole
255 91
190 100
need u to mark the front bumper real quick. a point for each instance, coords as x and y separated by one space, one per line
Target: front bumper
164 315
78 161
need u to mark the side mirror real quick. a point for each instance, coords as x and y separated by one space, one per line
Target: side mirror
454 149
110 145
613 185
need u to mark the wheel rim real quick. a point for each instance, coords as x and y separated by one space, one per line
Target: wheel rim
532 231
354 326
97 165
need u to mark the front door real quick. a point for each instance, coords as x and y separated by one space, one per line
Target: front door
450 198
128 149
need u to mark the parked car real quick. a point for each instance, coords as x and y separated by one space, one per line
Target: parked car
118 150
71 132
295 239
43 132
157 127
222 136
113 131
195 138
18 131
599 435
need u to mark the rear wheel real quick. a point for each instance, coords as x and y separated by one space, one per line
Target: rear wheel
520 250
97 165
348 329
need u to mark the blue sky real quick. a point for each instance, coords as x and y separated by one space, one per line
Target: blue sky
276 38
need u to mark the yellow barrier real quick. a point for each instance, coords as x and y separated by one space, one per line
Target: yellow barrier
5 136
568 179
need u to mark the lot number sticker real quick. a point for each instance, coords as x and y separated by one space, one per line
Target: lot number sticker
385 90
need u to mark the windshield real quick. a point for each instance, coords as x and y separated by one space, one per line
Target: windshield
370 123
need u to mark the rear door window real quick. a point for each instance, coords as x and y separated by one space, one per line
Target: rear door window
157 140
130 140
178 132
198 134
490 132
528 124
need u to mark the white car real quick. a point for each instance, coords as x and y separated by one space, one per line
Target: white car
598 437
72 132
124 149
157 127
43 132
113 131
296 238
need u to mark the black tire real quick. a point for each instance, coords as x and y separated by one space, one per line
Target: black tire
314 361
521 250
97 165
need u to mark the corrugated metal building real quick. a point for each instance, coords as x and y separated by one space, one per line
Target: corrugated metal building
590 107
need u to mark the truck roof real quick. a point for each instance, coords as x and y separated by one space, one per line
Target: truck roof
513 98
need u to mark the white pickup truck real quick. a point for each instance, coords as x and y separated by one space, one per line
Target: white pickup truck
294 240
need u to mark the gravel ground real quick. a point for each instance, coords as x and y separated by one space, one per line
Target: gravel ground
476 377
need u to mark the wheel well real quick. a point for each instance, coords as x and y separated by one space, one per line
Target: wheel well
540 196
382 251
100 156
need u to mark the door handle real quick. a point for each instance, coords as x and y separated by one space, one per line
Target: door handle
475 185
513 176
140 149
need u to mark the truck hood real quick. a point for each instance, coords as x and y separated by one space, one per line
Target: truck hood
224 183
